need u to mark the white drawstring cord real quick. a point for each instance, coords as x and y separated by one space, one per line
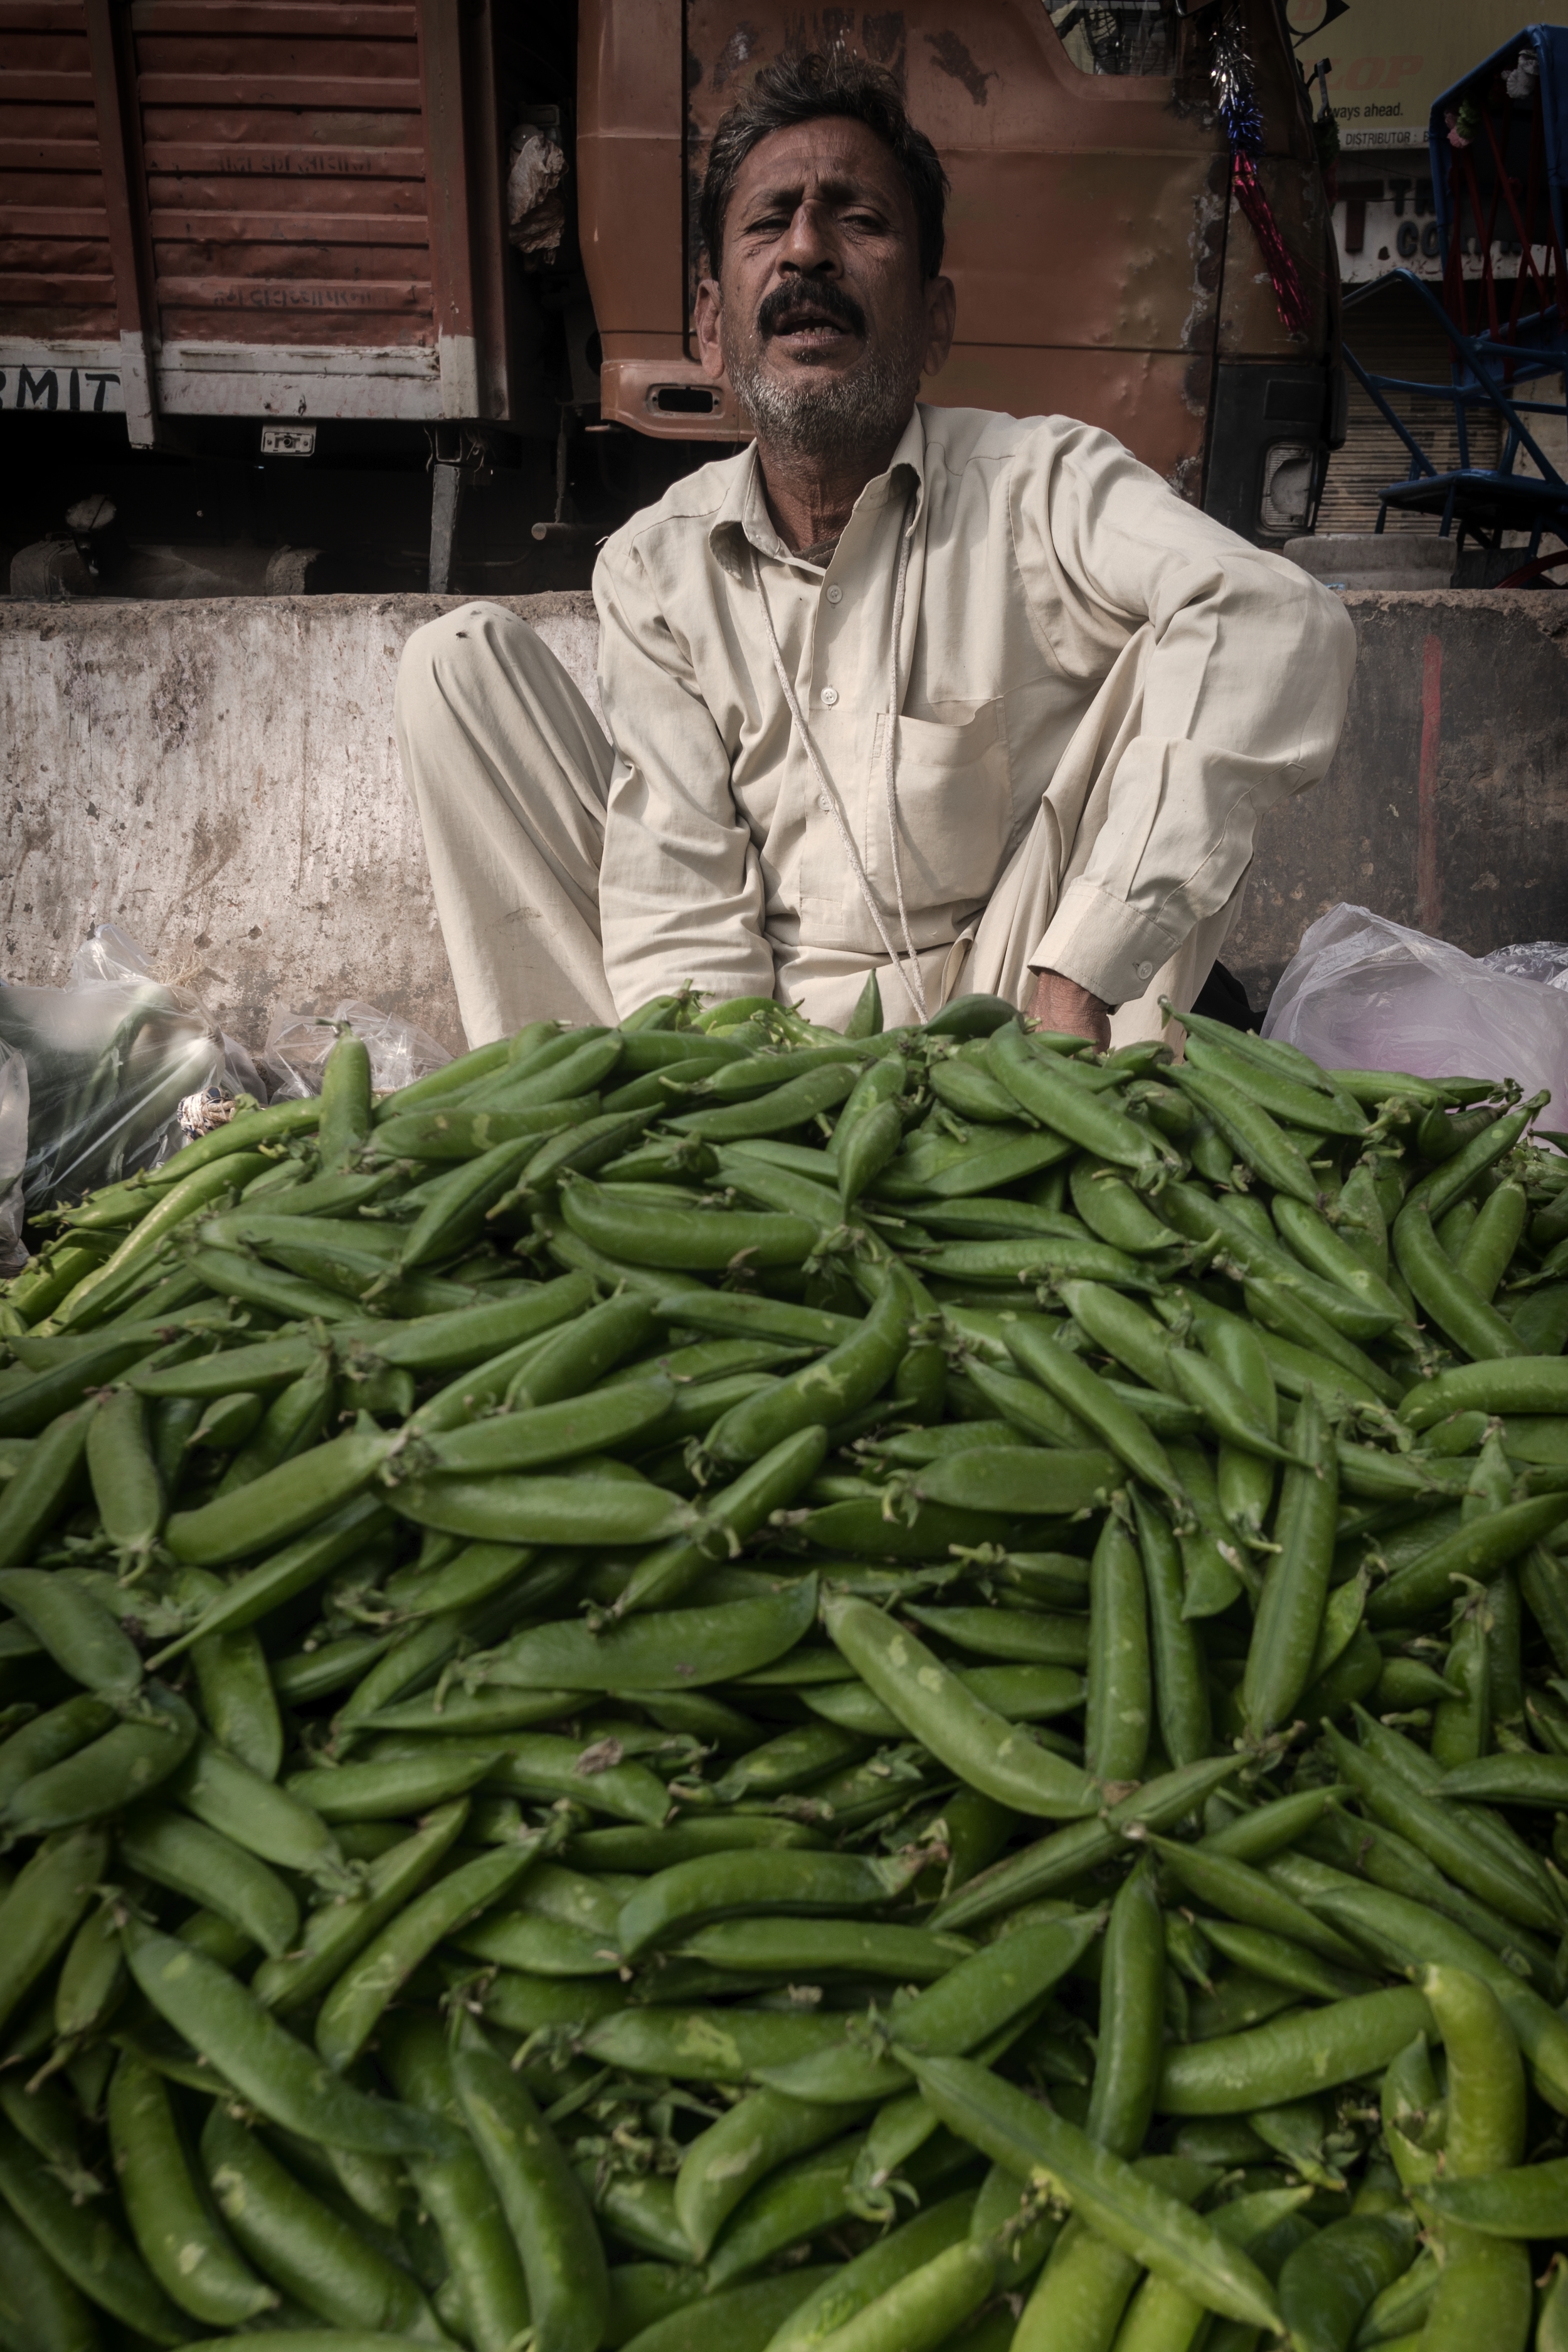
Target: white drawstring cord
914 989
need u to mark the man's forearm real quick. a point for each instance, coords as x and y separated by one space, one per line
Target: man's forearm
1061 1004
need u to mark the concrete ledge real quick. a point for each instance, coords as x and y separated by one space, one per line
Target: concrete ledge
221 780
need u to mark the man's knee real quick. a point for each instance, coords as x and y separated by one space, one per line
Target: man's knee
449 656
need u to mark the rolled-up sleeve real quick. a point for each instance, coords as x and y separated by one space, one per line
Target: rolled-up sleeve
1245 673
681 890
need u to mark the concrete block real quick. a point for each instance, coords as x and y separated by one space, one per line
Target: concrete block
1353 560
220 778
1446 806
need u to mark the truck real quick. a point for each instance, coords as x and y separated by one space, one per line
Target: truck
307 294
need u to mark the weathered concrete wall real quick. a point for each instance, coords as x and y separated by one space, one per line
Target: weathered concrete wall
1447 804
221 780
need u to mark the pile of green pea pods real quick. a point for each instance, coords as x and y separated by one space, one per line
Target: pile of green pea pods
720 1688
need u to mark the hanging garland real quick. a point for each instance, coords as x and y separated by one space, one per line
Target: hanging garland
1236 101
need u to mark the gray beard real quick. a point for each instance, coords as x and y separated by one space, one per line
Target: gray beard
835 418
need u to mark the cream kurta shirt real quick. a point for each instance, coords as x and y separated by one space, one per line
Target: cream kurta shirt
1037 548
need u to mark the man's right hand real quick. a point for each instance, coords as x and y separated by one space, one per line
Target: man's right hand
1061 1004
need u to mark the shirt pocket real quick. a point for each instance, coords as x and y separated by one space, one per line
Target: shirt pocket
955 800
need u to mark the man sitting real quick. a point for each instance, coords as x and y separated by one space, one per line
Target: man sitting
972 701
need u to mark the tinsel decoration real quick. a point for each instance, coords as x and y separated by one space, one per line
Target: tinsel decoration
1235 103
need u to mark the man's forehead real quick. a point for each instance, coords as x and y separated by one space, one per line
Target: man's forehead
832 155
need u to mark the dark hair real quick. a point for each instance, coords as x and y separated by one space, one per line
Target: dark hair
803 89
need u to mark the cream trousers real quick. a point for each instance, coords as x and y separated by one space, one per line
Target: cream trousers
510 771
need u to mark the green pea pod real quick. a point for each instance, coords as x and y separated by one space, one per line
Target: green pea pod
451 1078
795 2203
566 1510
852 2289
936 1708
455 2188
455 1211
713 2045
260 1589
1121 1328
754 1882
1043 1259
1292 2057
317 2256
189 2254
1224 1223
731 1514
1113 1212
1083 1392
202 1864
49 1738
1282 1311
283 1503
27 1411
1131 2018
1326 2285
126 1486
86 2246
1252 1134
677 1649
37 1496
1460 1312
1279 1962
760 2133
40 1912
1427 1582
1290 1610
392 1786
748 1315
1117 1704
972 1172
556 1067
460 1134
230 1274
266 2065
79 1632
1443 1836
1131 2212
1059 1860
686 1239
1071 1109
1447 1183
1486 2092
864 1948
563 1361
1297 1101
1222 1882
38 2305
1028 1408
1180 1674
553 1432
269 1363
784 1107
345 1122
352 2009
872 1142
1527 2200
336 1932
546 2211
181 1202
828 1391
108 1773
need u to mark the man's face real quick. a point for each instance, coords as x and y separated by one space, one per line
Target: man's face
820 316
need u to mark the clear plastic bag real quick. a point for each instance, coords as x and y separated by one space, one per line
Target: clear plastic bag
298 1045
1363 993
109 1061
13 1159
1545 961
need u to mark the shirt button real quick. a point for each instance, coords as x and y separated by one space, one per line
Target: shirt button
829 697
821 800
1144 971
836 594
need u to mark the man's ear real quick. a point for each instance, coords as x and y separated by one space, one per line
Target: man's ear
705 324
942 322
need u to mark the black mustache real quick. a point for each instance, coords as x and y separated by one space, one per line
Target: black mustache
824 297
